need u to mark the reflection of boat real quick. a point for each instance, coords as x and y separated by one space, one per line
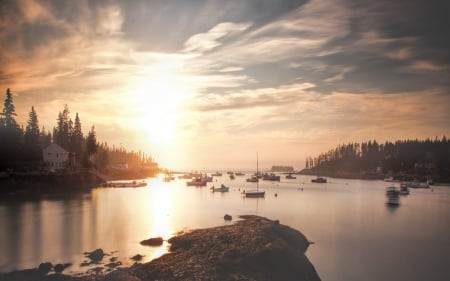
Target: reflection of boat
404 189
392 195
255 193
222 188
319 180
290 177
232 176
271 177
124 184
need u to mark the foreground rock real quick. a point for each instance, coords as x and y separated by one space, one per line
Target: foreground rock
254 248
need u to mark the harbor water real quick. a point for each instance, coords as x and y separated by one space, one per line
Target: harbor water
355 234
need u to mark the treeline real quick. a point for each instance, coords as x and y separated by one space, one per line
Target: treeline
22 148
408 156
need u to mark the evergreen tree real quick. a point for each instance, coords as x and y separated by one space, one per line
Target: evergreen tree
62 131
32 135
9 111
76 139
10 133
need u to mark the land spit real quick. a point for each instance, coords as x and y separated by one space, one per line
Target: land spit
254 248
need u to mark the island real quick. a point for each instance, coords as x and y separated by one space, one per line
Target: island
253 248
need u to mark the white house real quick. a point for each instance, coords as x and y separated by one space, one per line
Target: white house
55 156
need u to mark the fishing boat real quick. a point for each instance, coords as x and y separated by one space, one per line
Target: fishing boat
271 177
255 193
319 180
290 177
198 181
392 194
222 188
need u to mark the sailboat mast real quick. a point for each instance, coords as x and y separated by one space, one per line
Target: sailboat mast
257 172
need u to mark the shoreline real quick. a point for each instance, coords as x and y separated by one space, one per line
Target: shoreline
253 248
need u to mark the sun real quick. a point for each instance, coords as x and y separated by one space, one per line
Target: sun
160 100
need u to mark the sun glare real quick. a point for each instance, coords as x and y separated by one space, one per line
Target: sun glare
160 110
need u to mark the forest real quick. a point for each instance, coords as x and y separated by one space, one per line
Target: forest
21 148
429 157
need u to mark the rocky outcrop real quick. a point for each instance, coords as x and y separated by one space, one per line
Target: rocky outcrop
254 248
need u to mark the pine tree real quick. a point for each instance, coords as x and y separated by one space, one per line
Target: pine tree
9 111
10 132
32 135
76 139
62 131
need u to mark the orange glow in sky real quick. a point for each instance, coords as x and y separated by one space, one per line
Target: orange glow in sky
204 85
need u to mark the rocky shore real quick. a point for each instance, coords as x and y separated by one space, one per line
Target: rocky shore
254 248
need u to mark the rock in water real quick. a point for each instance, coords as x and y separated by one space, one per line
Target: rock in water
156 241
227 217
255 248
96 255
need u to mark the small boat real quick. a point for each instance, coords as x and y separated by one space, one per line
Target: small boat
125 184
271 177
252 179
416 184
239 174
290 177
389 179
404 189
319 180
222 188
217 174
197 181
392 194
255 193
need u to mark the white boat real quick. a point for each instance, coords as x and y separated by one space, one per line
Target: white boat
198 181
222 188
125 184
392 194
416 184
255 193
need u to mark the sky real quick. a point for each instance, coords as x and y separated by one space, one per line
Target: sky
207 84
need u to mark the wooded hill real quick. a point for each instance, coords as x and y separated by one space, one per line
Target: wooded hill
419 158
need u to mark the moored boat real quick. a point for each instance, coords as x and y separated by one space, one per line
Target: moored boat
319 180
290 177
222 188
404 189
271 177
125 184
416 184
255 193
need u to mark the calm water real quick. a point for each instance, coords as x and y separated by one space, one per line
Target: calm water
357 237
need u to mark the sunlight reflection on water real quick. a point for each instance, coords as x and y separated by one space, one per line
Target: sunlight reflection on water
356 236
